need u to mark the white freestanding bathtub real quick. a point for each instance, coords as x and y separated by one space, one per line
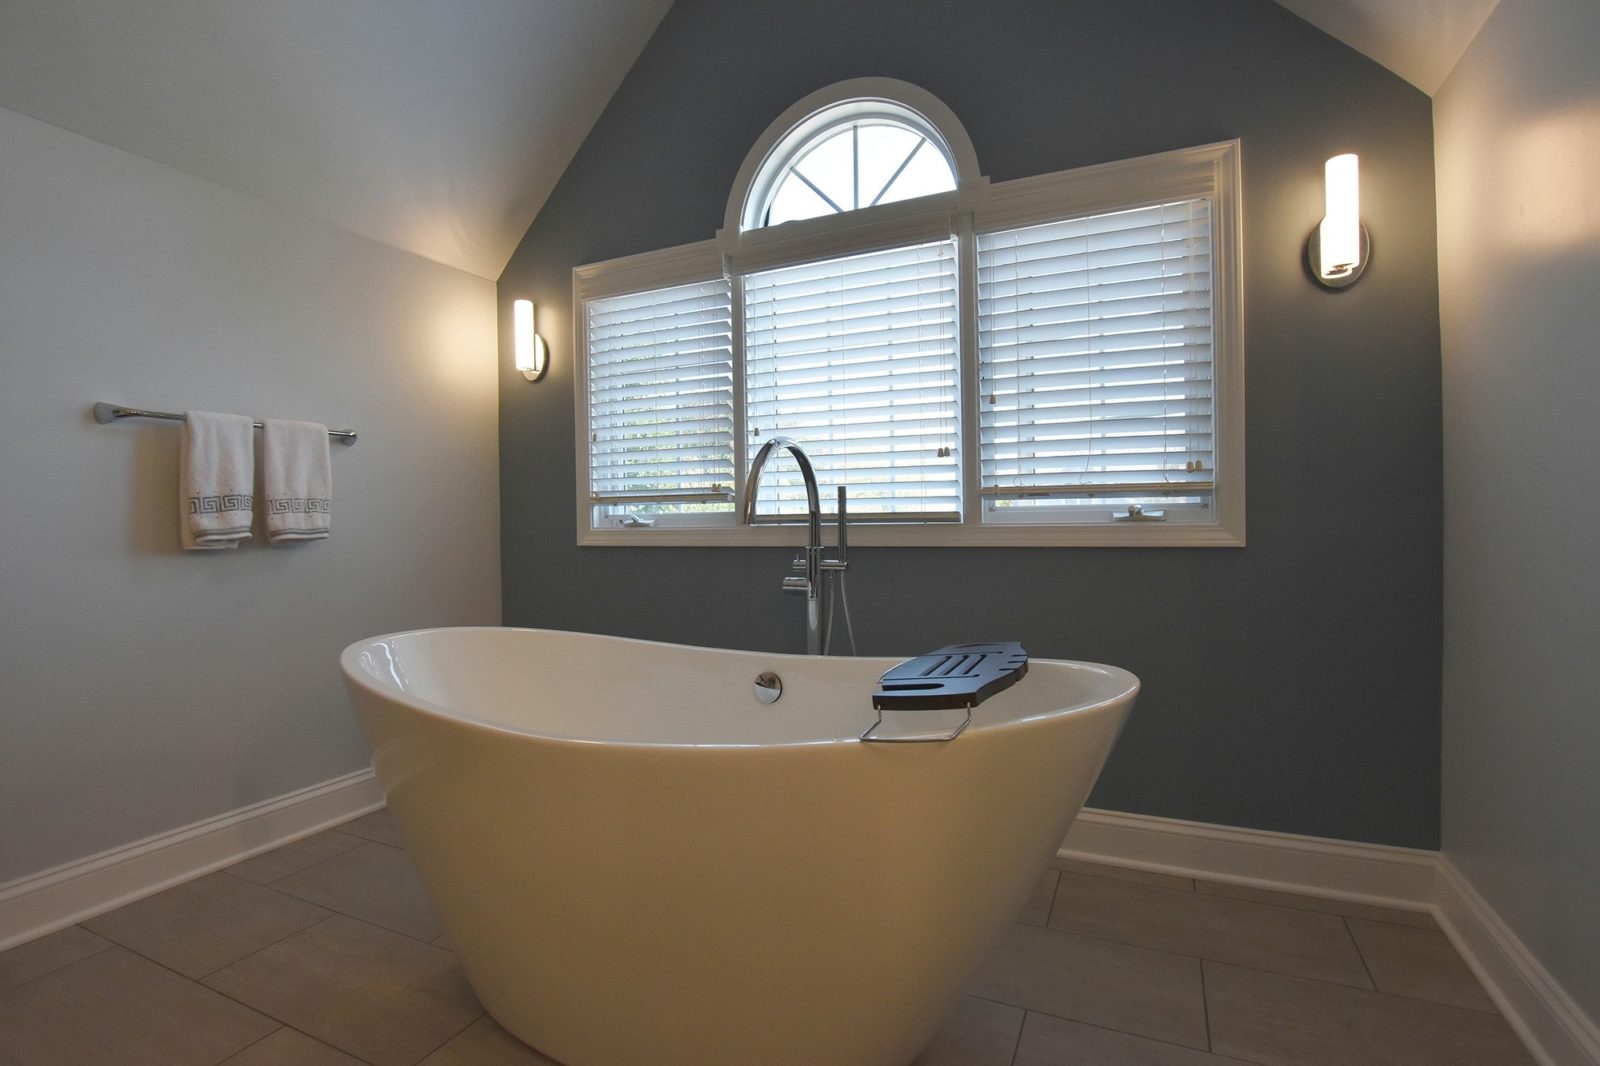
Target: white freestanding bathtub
641 864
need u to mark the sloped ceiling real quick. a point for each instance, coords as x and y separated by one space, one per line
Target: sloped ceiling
1420 40
435 126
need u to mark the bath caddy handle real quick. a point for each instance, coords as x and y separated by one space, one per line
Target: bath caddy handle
871 734
959 676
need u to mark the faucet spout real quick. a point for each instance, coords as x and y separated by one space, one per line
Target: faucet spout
811 584
759 463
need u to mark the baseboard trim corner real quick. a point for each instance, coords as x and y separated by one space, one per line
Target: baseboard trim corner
1554 1028
52 899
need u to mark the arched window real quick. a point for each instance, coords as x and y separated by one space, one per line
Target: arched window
861 156
855 145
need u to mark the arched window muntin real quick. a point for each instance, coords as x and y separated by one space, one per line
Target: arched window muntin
892 153
810 125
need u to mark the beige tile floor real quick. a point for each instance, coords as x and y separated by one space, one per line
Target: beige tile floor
325 952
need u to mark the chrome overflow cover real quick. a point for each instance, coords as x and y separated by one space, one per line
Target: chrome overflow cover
769 686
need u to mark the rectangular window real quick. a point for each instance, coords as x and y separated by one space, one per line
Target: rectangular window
1095 367
1049 361
660 402
855 358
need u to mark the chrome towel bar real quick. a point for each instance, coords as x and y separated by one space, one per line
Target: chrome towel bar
109 412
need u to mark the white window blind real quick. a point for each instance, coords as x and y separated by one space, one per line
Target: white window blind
660 385
855 358
1095 361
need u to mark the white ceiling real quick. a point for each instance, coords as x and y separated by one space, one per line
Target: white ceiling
1420 40
435 126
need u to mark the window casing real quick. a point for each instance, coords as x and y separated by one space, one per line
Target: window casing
1004 364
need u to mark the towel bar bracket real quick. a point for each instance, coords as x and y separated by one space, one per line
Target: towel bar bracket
106 413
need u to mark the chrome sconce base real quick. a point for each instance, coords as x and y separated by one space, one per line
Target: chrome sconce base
541 360
1335 281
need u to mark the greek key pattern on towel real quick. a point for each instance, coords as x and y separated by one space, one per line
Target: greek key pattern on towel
229 501
299 505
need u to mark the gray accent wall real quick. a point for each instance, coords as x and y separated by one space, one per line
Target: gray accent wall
1290 685
1518 128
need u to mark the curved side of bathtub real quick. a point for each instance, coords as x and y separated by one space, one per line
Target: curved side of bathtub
805 903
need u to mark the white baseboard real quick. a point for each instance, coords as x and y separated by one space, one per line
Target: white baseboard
1364 873
1555 1030
53 899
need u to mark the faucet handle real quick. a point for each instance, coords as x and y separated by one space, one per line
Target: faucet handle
844 526
796 584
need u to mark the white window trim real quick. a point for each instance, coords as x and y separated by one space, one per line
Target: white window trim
1211 170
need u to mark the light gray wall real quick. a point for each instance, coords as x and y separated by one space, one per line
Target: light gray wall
1292 685
142 688
1518 141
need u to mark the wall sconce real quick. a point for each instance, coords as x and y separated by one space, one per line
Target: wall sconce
1338 249
531 355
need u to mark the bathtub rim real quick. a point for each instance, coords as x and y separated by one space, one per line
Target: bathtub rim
349 660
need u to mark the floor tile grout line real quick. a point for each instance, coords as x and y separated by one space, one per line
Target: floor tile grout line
1083 1021
201 980
1241 900
328 907
234 999
109 944
1205 1007
234 1054
243 958
376 925
482 1013
1194 888
200 983
1120 1032
1356 988
1388 995
340 828
1351 933
242 880
1231 1057
285 1024
1185 955
1016 1047
323 862
1129 880
327 1043
1434 925
249 954
1255 969
268 884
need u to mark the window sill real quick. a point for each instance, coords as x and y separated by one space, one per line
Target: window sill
866 535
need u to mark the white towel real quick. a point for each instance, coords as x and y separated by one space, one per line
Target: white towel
216 480
298 480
